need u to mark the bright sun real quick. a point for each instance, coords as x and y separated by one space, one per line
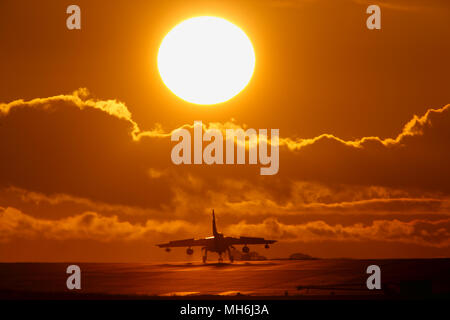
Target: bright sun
206 60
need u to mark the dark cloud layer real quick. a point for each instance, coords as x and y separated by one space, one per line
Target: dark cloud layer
68 144
91 153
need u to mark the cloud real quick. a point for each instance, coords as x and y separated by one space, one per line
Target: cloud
14 224
243 199
415 159
419 232
87 148
85 226
415 127
290 3
400 5
92 153
37 198
405 5
79 98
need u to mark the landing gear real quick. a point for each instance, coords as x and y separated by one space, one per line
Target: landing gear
220 258
205 254
230 255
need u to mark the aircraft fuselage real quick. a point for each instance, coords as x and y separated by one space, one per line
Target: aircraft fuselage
217 243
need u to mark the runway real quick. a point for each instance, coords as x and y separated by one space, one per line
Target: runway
272 278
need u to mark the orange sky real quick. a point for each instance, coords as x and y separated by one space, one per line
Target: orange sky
363 116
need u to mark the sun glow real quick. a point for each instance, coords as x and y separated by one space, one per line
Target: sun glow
206 60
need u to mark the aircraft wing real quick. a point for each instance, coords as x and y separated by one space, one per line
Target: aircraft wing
185 243
249 240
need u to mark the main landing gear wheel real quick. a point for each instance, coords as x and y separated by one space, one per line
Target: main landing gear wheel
230 256
205 254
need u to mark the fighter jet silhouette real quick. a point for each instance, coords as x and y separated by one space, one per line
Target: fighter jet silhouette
217 243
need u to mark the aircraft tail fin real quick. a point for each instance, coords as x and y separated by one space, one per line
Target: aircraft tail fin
214 224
